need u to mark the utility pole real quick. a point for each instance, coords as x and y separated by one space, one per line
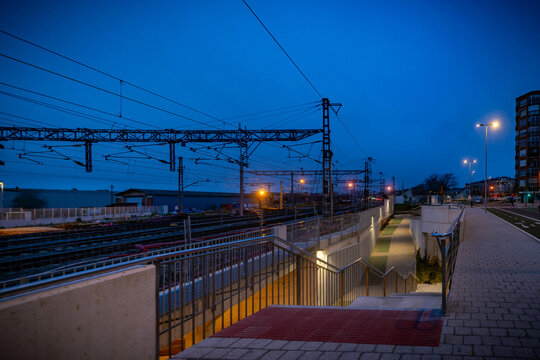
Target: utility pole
112 195
328 189
180 184
280 194
293 203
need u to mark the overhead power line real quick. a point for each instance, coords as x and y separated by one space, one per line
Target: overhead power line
107 74
100 88
282 49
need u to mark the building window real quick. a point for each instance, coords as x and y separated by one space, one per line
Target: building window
534 109
534 99
522 142
533 120
522 122
523 102
522 183
522 163
533 180
522 173
522 152
523 133
523 112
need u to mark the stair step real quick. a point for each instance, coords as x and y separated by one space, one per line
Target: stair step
412 301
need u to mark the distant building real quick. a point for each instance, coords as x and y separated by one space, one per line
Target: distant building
192 199
497 187
527 141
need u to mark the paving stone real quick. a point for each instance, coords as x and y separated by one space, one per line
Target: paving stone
292 355
423 349
453 339
462 350
218 353
259 343
330 355
276 345
294 345
273 355
524 352
401 349
505 351
350 356
482 350
235 354
389 356
443 349
431 357
480 331
347 347
365 348
472 340
510 341
329 346
463 330
372 356
311 345
311 355
491 340
384 348
253 354
241 343
194 352
411 357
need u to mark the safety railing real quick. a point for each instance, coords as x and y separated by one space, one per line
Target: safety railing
92 264
202 291
448 243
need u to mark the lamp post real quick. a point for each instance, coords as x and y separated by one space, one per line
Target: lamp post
494 124
470 162
2 186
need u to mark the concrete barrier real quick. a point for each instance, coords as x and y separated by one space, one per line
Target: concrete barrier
105 317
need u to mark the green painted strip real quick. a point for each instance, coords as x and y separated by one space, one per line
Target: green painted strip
379 262
383 244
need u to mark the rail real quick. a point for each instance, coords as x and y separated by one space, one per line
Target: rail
448 243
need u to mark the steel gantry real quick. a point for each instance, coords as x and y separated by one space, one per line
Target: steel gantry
301 172
241 137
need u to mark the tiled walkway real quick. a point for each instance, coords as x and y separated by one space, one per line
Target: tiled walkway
494 310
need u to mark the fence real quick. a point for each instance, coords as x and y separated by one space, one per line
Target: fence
448 243
19 217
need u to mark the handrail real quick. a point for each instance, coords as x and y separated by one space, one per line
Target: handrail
452 227
448 256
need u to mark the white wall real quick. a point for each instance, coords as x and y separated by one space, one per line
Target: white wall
107 317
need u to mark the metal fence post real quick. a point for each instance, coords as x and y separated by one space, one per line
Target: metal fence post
341 288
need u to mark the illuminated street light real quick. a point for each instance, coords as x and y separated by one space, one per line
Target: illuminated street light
350 185
261 192
302 181
494 124
471 172
388 188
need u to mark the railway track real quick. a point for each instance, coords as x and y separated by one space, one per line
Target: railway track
28 254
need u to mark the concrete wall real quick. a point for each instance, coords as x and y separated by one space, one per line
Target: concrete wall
106 317
434 219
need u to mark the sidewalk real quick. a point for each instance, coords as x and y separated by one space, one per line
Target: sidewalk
394 247
494 309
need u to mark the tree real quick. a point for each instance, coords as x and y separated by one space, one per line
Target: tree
28 200
440 183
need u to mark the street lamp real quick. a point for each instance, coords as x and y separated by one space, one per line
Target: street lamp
2 186
470 162
495 125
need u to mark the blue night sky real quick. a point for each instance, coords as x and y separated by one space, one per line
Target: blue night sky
413 77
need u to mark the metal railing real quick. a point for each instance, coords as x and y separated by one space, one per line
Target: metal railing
92 264
202 291
448 243
91 213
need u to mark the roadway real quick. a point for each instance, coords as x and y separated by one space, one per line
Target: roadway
527 220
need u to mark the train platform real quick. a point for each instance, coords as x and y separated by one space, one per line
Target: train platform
494 313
